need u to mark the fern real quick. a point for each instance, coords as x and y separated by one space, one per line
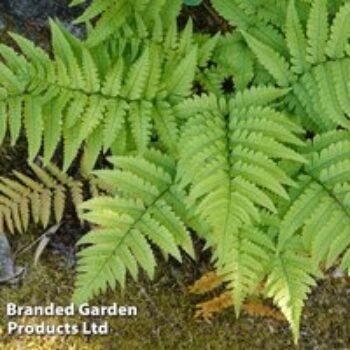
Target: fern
259 13
125 17
211 281
319 210
229 153
259 169
289 283
23 198
230 59
147 207
94 101
316 67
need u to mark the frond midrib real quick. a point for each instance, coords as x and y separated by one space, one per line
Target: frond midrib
330 194
125 235
74 91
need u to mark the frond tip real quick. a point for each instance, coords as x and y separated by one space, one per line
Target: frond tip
289 283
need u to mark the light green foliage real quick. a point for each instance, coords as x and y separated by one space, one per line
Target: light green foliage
130 18
230 157
316 65
147 206
319 207
256 13
260 170
289 283
232 60
96 97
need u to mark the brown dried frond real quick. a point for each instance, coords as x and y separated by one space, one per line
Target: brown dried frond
207 309
206 283
257 308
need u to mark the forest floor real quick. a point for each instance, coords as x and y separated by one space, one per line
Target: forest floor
165 318
166 309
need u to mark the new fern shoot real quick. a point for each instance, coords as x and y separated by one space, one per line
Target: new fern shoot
260 172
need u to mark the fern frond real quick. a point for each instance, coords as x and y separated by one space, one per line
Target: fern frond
206 283
319 62
231 11
229 162
142 210
289 283
89 100
180 81
319 210
136 17
271 60
39 197
256 14
317 31
207 309
340 33
296 40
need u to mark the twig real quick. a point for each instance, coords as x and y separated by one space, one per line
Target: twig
217 18
50 232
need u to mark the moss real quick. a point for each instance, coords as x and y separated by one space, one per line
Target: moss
165 315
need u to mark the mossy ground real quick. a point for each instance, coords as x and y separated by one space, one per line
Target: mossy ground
165 314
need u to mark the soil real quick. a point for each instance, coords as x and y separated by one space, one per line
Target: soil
166 310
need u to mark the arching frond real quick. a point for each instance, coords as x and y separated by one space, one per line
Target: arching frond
89 100
116 17
319 64
147 207
289 284
228 157
319 209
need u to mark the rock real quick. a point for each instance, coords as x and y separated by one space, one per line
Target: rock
78 31
338 274
7 267
2 23
38 10
9 273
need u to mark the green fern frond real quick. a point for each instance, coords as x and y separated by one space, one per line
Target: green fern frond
137 17
261 174
317 31
319 209
318 63
231 60
146 207
88 101
289 283
245 268
337 44
271 60
228 157
296 40
256 14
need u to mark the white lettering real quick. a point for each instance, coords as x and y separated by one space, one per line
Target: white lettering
95 329
11 327
11 309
